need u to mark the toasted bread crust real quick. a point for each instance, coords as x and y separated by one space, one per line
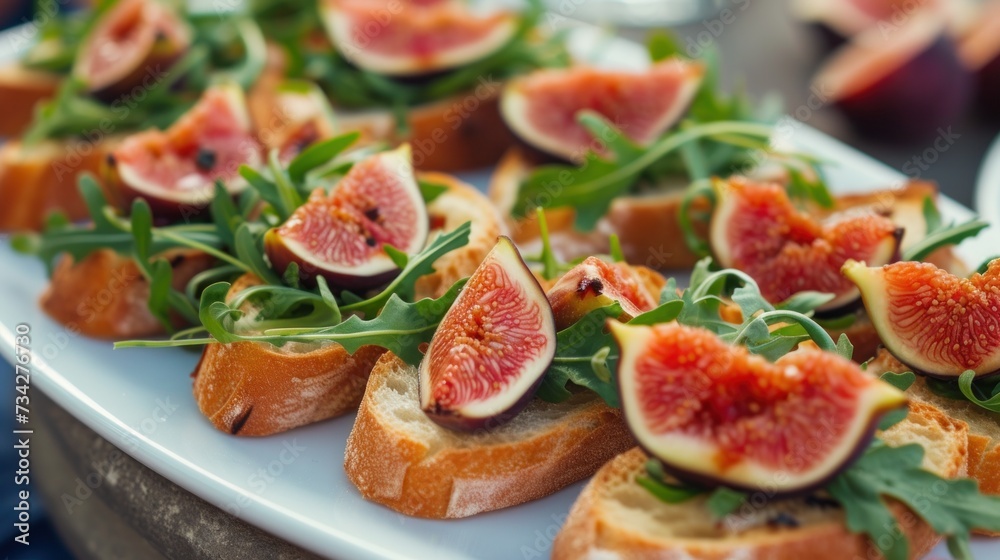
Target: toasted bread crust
257 389
105 295
392 468
461 132
38 180
590 533
459 204
20 90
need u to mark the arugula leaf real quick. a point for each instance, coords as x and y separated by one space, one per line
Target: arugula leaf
939 234
724 501
576 347
550 267
591 187
430 191
319 154
991 401
951 507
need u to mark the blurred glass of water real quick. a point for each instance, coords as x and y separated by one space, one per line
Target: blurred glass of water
637 13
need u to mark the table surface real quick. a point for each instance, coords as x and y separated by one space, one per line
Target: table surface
767 50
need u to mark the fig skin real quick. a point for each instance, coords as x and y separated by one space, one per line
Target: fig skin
506 254
163 39
910 103
594 283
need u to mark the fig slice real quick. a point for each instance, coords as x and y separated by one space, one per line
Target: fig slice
595 283
902 86
414 39
756 228
716 415
175 170
492 348
542 107
131 46
342 235
935 322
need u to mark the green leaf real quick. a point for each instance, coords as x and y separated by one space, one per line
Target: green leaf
615 245
662 45
932 217
951 507
574 361
291 275
319 154
724 501
218 317
668 493
401 327
966 383
943 237
430 191
142 229
249 251
225 214
844 347
901 381
550 266
397 257
160 287
685 216
420 264
805 302
663 313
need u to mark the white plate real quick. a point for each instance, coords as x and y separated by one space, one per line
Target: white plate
988 186
293 484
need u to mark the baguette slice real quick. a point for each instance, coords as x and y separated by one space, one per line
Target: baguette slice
650 233
257 389
984 426
615 518
38 179
20 90
398 457
461 203
105 295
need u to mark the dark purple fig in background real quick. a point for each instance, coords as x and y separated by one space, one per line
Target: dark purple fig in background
716 415
342 235
902 84
492 348
980 49
175 170
756 228
838 21
132 46
935 322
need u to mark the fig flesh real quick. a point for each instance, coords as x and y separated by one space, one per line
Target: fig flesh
901 86
415 38
756 228
542 107
595 283
492 348
341 235
935 322
131 46
716 415
175 170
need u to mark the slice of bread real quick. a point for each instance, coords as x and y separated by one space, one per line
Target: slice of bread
459 204
258 389
648 228
984 426
615 518
105 295
398 457
38 179
20 90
